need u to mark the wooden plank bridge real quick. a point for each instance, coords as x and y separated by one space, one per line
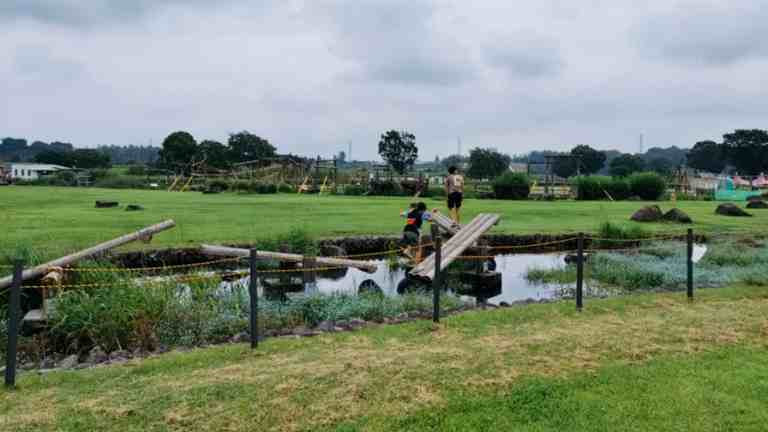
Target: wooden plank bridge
456 245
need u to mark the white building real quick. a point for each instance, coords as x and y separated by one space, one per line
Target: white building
33 171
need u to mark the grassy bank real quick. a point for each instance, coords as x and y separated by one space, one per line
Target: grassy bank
636 363
64 219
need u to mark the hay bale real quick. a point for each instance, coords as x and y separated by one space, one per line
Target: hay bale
757 204
678 216
134 207
107 204
648 214
730 209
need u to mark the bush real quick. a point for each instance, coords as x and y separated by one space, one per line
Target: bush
285 188
354 190
385 188
618 188
648 186
512 186
590 188
217 185
434 192
137 170
121 182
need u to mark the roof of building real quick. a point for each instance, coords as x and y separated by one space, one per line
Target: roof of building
38 167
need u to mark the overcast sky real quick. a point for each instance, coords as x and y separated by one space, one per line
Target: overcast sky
313 75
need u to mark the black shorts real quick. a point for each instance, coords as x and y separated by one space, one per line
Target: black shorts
410 238
454 200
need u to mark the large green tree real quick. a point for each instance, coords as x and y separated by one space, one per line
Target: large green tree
55 157
707 156
178 152
626 164
213 153
584 160
453 160
747 150
89 158
245 146
398 149
487 163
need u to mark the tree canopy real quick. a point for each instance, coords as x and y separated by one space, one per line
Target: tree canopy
245 146
398 149
178 152
213 153
626 164
707 156
747 150
487 163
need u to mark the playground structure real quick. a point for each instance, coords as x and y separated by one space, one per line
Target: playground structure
382 175
546 183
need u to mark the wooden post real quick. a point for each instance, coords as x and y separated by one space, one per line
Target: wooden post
254 299
309 264
437 280
14 312
689 260
580 273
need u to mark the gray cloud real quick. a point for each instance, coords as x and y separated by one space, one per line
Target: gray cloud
80 13
393 41
525 56
708 35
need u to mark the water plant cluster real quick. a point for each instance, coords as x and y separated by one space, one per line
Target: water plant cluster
662 266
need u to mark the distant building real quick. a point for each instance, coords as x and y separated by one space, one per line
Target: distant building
33 171
518 167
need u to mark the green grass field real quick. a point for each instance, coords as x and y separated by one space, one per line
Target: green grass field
56 220
649 362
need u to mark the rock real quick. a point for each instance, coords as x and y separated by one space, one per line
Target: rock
97 355
304 332
134 207
573 258
677 215
68 362
330 250
107 204
755 198
648 214
369 286
730 209
356 323
504 304
47 363
325 326
754 204
344 325
119 356
240 338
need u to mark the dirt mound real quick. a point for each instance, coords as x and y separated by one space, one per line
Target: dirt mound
757 204
648 214
677 215
730 209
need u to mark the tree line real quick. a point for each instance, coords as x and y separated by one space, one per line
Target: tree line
182 153
744 151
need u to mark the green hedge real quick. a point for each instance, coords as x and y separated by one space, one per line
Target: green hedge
511 185
649 186
645 186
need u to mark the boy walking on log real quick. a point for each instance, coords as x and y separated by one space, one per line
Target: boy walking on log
454 189
414 219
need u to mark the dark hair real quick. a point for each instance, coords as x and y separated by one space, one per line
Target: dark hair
452 170
421 206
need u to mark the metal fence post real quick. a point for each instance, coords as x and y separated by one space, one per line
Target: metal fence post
14 312
437 279
254 297
689 260
580 273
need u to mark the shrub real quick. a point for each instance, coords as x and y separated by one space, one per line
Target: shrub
648 186
217 185
609 230
385 188
120 182
285 188
589 188
354 190
618 188
137 170
512 186
434 192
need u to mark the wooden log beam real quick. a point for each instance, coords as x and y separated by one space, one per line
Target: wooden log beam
279 256
64 261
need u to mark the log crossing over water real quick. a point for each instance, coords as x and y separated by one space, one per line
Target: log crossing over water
334 262
457 244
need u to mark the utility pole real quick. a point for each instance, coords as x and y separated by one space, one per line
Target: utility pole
349 153
458 146
641 143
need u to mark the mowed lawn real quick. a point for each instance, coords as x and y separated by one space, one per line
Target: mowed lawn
638 363
64 219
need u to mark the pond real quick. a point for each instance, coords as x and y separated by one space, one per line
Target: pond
471 279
